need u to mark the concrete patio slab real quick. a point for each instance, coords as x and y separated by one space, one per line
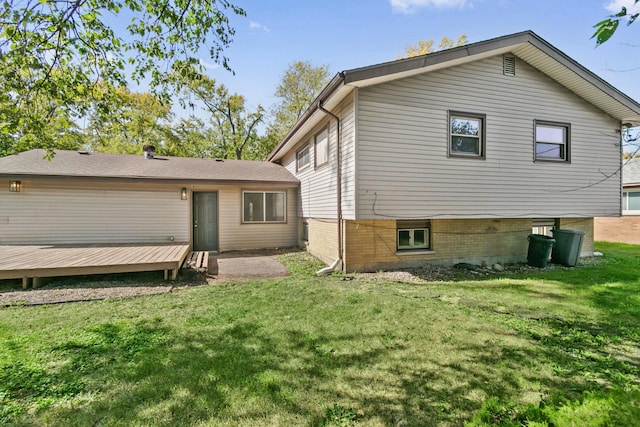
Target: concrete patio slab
243 266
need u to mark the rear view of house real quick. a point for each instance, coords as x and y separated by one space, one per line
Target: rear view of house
456 156
93 198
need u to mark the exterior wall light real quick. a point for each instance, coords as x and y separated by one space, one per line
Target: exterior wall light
183 194
15 186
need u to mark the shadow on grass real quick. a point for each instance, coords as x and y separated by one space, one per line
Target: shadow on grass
144 374
233 370
148 373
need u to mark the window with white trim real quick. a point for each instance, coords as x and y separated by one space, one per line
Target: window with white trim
544 226
413 235
466 135
303 159
264 206
552 141
322 148
631 202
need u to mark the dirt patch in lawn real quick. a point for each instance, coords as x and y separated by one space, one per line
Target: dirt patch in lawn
435 273
91 288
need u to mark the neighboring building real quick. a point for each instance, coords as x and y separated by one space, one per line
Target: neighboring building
456 155
625 229
80 197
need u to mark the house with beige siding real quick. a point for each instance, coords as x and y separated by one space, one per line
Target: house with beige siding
456 156
94 198
626 228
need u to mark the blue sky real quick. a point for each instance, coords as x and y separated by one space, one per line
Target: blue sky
344 34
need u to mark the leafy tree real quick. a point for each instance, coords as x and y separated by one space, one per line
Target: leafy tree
299 86
64 52
191 138
55 125
606 28
234 128
130 121
424 47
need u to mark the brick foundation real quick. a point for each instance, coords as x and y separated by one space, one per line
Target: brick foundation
625 229
323 239
370 245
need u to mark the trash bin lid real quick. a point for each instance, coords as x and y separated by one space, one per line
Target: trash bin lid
567 231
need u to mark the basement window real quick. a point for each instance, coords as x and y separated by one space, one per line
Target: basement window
413 235
305 230
544 226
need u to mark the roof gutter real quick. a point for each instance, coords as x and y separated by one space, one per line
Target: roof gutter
334 84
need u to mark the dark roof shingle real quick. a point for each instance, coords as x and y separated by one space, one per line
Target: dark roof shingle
101 165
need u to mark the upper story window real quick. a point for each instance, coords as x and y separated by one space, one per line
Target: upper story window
631 202
322 148
466 135
552 141
303 158
264 206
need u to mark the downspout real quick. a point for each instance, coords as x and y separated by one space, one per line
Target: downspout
338 263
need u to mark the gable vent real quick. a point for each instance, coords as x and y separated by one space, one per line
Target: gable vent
509 65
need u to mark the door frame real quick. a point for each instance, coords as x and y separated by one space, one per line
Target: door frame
192 216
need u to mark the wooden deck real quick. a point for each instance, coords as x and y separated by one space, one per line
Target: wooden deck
34 262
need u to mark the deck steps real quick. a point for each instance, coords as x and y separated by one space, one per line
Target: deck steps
197 260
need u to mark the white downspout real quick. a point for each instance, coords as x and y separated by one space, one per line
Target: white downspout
337 264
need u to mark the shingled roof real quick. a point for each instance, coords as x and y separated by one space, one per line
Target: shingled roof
127 166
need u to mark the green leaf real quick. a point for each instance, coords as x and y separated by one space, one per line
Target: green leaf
604 30
622 13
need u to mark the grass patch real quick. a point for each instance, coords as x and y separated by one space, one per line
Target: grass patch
549 348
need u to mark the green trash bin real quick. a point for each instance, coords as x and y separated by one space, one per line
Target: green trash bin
568 246
539 250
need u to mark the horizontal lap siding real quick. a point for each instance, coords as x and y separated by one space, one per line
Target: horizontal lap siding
348 160
403 168
318 186
51 214
234 235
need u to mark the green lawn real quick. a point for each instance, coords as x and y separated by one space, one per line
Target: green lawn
550 348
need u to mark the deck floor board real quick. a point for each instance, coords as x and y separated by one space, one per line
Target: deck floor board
34 261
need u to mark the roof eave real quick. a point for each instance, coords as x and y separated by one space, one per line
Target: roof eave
625 109
330 89
148 179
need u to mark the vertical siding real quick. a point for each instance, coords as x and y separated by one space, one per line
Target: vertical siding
403 170
234 235
318 185
61 214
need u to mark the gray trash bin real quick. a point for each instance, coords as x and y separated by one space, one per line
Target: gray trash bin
568 246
